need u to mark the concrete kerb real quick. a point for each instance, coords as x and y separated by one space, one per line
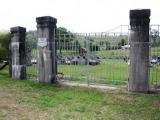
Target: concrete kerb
101 87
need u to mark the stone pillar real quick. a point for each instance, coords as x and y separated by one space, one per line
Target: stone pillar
139 50
18 55
47 68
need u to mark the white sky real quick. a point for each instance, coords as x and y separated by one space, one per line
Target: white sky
75 15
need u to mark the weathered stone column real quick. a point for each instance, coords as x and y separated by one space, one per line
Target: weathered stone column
47 68
139 50
18 55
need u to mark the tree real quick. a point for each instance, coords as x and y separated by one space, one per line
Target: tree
65 39
4 45
31 39
4 48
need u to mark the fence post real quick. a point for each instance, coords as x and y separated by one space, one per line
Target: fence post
47 65
139 50
17 52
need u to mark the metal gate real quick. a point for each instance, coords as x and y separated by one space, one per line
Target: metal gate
95 57
31 55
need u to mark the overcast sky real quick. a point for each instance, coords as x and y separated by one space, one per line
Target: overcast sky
75 15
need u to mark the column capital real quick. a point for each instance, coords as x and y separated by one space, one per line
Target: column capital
46 21
17 29
139 17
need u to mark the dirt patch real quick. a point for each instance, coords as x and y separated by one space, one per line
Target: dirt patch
7 101
123 98
6 97
11 110
156 104
27 112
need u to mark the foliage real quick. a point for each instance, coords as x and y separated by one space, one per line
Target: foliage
4 45
31 40
65 39
64 35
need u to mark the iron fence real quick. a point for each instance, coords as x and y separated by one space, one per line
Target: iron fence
96 57
93 57
154 55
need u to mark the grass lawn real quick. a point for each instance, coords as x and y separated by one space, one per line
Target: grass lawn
109 71
29 100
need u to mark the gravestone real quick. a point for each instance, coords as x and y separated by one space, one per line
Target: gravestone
17 53
47 64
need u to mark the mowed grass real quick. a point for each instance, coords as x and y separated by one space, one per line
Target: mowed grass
155 75
109 71
30 100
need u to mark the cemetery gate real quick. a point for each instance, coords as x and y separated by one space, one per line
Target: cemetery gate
101 58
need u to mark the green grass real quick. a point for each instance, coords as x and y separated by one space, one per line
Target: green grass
155 75
25 99
114 72
119 53
112 54
109 71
